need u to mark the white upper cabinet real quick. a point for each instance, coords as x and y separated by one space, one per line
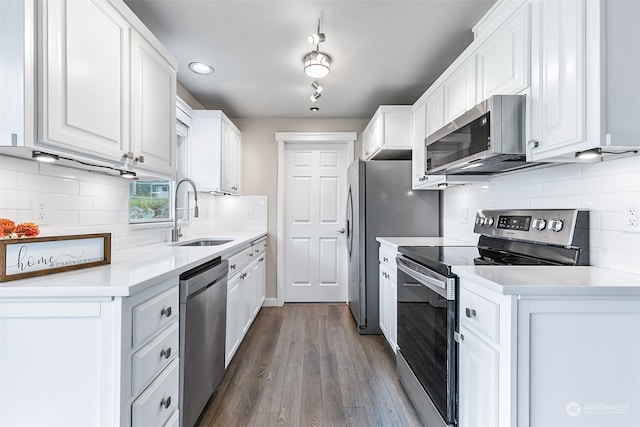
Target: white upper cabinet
419 127
103 87
435 111
230 158
214 152
85 78
460 90
503 60
388 134
584 78
154 112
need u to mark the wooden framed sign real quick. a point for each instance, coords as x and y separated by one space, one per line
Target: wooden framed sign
22 258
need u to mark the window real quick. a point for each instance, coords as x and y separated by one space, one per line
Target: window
150 201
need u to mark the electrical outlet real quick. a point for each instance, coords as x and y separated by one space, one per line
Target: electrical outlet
40 212
630 219
250 213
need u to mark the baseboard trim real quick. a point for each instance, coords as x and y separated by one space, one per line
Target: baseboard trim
270 302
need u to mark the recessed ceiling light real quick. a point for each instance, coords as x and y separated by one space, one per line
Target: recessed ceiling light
201 68
314 109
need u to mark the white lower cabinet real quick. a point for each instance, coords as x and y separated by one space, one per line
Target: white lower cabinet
547 360
245 293
90 361
388 295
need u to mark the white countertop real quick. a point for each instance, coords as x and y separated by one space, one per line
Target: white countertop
552 281
395 242
131 270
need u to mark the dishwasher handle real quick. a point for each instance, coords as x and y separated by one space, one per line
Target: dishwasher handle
192 284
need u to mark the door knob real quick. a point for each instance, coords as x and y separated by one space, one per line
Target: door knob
340 230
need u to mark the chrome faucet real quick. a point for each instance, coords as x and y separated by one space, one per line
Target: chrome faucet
175 233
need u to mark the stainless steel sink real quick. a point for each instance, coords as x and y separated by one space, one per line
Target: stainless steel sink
204 242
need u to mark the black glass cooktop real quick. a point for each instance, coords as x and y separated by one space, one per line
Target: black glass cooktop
441 258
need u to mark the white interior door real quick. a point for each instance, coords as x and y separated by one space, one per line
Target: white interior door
315 188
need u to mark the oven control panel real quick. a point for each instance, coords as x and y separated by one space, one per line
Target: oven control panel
551 226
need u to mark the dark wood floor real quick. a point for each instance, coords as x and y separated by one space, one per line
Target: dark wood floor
305 365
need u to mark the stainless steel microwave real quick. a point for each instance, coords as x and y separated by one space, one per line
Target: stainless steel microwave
487 139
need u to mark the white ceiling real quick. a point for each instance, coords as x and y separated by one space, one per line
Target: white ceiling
383 52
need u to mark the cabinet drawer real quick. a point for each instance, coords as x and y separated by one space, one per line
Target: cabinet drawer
387 258
153 357
480 314
259 248
153 315
238 260
159 401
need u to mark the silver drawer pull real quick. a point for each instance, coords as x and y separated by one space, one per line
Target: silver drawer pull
166 312
166 353
250 254
257 250
261 259
469 312
385 259
166 402
232 266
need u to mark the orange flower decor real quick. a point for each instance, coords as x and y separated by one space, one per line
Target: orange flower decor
6 226
29 229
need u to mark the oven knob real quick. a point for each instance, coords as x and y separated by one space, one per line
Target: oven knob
539 224
555 225
479 220
488 221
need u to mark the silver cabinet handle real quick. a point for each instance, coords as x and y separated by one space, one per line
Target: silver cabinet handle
232 266
251 254
469 312
261 259
340 230
166 312
166 353
166 402
385 259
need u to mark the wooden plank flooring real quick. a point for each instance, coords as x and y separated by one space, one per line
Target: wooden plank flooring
305 365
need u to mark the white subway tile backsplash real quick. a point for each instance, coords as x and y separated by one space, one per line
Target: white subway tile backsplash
604 189
18 164
82 202
46 184
99 189
8 179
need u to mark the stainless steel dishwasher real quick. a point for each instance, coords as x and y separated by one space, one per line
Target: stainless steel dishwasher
203 318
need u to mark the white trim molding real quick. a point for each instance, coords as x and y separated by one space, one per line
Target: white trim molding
283 138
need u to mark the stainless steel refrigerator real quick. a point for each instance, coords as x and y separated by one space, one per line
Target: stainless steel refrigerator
380 203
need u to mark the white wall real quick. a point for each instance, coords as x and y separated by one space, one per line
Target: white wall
604 189
80 202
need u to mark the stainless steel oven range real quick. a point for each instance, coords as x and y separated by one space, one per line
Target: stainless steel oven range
428 309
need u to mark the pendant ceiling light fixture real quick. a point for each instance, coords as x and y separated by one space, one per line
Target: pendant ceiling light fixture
317 64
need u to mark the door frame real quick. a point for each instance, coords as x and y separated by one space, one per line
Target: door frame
283 138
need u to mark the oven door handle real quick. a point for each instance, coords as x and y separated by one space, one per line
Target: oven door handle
432 282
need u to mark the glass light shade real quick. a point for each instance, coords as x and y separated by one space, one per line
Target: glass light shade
317 65
316 38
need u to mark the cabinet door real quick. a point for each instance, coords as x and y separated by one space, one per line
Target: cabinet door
233 318
460 90
558 98
383 289
419 126
259 278
503 61
154 109
478 370
392 319
230 160
375 137
84 87
246 297
435 111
